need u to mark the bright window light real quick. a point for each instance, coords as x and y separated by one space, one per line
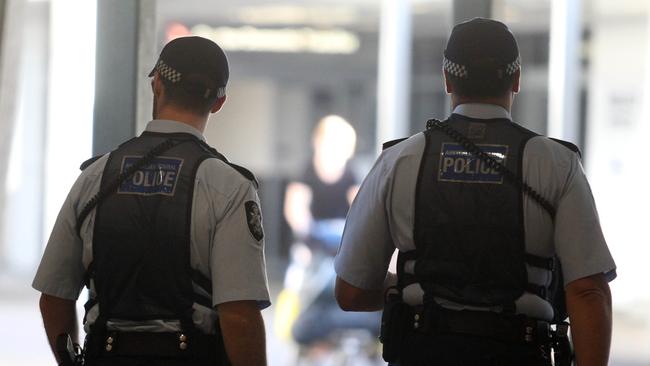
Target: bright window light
70 98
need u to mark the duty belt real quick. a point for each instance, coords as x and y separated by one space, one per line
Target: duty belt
164 344
507 328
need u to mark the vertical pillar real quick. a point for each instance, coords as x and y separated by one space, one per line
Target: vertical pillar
564 70
393 81
10 41
126 52
117 72
3 5
147 57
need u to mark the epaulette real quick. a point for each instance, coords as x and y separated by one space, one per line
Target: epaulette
127 141
390 143
569 146
245 172
89 162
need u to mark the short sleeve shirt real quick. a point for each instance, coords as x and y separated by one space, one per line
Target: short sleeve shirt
381 217
223 246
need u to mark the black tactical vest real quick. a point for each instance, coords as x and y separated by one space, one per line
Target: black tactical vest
469 227
141 240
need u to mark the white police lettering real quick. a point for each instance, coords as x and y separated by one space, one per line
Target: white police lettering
467 165
158 177
149 178
458 165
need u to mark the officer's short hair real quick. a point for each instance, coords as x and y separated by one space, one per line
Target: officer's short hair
481 58
187 100
194 72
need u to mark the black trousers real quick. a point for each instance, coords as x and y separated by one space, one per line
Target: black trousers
419 349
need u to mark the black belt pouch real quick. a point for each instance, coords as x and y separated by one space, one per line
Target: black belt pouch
394 322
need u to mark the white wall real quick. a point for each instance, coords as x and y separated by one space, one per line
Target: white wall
243 130
616 144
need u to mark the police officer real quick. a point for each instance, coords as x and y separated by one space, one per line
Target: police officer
486 216
167 235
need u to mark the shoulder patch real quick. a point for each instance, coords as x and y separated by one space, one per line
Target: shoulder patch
569 146
254 220
89 162
391 143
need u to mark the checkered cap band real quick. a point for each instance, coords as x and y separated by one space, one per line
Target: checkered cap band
512 67
455 69
168 72
460 71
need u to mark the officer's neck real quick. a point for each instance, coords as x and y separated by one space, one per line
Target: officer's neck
179 115
504 101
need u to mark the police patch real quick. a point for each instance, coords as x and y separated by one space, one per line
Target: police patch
158 177
459 165
254 220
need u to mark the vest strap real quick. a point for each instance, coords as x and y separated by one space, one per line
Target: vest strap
203 282
540 291
392 143
403 278
540 262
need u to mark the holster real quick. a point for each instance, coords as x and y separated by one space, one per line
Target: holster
394 321
68 352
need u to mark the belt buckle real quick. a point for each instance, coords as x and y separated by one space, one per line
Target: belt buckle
183 342
422 318
109 342
537 331
543 331
417 319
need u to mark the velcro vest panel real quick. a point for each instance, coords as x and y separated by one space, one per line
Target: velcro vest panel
141 241
469 229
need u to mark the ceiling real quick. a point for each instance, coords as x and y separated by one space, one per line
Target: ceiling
430 16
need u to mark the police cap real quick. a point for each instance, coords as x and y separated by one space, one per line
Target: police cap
195 63
481 48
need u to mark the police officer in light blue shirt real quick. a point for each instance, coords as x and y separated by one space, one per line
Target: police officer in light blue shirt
488 239
167 235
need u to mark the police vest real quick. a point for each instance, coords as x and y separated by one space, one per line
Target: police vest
469 221
141 241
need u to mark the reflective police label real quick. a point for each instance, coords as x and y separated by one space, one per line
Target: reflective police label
158 177
459 165
254 220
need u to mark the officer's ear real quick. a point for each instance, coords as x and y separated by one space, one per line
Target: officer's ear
156 84
448 87
516 81
218 104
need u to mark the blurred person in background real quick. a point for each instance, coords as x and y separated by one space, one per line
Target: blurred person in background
315 208
165 233
496 226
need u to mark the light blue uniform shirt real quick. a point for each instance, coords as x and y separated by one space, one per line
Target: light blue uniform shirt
223 248
381 217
